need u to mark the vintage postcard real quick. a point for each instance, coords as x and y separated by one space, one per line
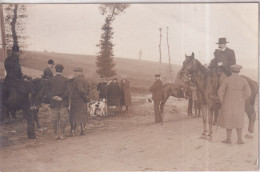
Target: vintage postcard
116 86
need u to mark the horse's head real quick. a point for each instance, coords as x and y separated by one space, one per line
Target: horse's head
189 67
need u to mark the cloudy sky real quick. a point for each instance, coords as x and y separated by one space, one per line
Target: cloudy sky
76 29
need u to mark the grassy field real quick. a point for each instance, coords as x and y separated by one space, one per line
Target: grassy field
140 73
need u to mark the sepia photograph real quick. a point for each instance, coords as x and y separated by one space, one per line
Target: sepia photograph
129 86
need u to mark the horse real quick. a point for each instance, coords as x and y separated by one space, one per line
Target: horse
179 90
25 95
168 90
207 83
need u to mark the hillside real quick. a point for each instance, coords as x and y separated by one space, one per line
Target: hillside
139 72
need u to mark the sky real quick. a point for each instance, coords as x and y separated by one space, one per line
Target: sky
76 29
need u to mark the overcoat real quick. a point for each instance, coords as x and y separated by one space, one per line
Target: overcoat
227 57
126 92
233 92
113 94
47 73
79 88
156 90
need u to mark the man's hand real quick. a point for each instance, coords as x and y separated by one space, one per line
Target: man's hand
57 98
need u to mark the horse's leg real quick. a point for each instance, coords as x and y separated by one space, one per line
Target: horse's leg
250 111
30 124
190 107
210 119
216 112
164 99
37 118
13 113
204 109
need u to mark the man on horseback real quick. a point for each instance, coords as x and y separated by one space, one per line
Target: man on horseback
12 66
224 57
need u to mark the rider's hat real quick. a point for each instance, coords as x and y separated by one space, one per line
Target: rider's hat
222 41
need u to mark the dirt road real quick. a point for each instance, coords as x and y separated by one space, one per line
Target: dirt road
133 142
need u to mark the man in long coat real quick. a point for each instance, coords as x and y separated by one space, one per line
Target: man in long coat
49 70
156 90
224 57
58 101
78 99
102 88
125 86
113 93
233 92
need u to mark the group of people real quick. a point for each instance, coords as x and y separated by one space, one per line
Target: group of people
116 93
232 93
69 97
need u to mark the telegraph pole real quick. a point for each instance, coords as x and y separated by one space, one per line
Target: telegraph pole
170 70
160 50
3 33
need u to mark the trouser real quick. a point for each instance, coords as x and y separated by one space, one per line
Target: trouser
157 112
60 119
239 133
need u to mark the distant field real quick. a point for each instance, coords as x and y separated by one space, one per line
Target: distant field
140 73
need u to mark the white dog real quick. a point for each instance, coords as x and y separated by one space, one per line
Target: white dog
98 108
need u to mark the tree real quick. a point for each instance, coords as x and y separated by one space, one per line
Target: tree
104 61
15 26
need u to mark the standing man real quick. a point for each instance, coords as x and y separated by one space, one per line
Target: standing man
58 102
49 70
224 57
125 85
102 88
233 92
78 99
156 90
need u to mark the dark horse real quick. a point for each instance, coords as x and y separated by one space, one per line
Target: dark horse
26 96
207 83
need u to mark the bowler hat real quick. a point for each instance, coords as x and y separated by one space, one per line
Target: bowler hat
78 69
59 68
157 75
222 41
236 68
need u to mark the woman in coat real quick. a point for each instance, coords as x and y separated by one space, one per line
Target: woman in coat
79 93
233 92
125 84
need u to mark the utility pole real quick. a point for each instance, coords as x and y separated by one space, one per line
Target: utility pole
170 70
160 51
3 33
